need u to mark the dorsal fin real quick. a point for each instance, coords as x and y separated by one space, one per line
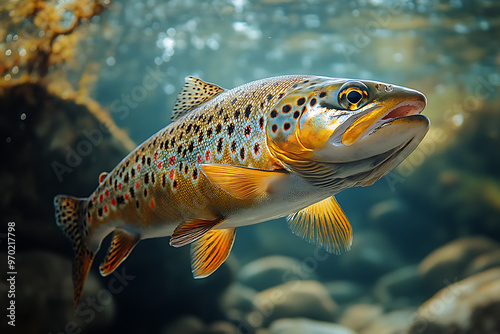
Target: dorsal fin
102 176
194 93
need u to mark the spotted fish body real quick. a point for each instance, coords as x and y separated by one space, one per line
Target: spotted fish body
274 147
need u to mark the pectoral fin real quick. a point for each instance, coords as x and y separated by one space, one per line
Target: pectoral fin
120 248
210 251
191 230
241 182
323 224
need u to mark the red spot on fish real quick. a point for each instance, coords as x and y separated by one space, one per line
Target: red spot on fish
100 198
171 161
94 198
172 174
89 219
119 186
152 204
126 197
199 159
160 164
106 193
138 168
156 155
105 209
207 155
113 201
137 185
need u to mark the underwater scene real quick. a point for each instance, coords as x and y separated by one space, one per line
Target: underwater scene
409 244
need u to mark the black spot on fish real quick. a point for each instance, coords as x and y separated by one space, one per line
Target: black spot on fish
145 192
313 102
163 180
294 85
305 81
179 149
132 172
166 144
248 130
161 145
146 178
172 142
218 128
274 113
149 161
181 135
248 110
174 184
281 95
322 94
91 205
209 120
296 114
286 126
186 169
191 147
184 152
230 129
209 133
181 165
301 101
261 122
269 97
256 148
125 178
143 159
200 137
120 199
219 145
233 146
221 111
153 178
234 101
136 159
137 204
286 108
99 212
274 128
116 185
195 174
242 153
237 114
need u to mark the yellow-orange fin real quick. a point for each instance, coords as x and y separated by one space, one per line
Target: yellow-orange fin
121 246
70 219
191 230
194 93
241 182
324 224
102 176
210 251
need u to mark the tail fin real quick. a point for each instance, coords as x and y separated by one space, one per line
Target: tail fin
70 217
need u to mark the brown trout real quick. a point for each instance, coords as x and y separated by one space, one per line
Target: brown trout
276 147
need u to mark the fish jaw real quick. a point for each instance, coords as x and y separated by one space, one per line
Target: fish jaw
387 123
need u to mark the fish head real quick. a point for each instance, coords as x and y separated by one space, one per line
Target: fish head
342 131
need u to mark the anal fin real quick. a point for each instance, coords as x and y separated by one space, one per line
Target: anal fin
210 251
191 230
324 224
121 246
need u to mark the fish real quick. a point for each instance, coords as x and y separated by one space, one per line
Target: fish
277 147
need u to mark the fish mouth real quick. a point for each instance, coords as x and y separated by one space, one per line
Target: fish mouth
370 122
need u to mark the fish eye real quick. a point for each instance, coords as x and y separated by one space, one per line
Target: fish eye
353 95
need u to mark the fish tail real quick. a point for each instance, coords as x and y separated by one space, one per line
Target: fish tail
70 217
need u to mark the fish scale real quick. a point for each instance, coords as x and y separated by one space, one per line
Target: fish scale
237 157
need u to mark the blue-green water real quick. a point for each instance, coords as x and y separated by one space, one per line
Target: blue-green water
430 224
